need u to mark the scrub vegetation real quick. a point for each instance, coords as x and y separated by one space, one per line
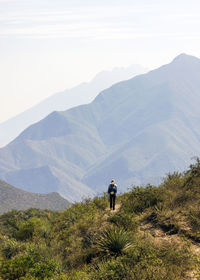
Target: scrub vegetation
154 234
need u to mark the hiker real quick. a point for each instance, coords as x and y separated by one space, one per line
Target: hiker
112 191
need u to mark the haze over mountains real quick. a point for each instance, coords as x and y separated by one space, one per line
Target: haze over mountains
13 198
136 131
81 94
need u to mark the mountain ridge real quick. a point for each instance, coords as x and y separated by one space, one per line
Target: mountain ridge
81 94
136 131
13 198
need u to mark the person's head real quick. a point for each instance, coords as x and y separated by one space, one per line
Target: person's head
112 182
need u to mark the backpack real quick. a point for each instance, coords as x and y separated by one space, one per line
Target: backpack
112 189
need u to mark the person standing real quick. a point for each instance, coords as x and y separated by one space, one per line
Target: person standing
112 191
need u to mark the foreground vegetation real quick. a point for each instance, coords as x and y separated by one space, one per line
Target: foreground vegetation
154 235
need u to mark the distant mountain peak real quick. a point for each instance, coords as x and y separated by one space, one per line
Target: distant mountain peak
183 57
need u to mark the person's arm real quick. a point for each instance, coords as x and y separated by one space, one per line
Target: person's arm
109 189
115 189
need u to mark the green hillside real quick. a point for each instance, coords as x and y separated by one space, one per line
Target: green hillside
14 198
154 234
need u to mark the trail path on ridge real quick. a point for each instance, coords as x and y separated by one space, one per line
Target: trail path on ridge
159 237
117 207
110 212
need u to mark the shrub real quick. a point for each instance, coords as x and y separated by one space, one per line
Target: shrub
194 218
101 202
22 224
114 241
30 263
112 269
10 249
141 198
123 220
173 181
25 231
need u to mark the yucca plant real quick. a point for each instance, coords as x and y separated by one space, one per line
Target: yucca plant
114 241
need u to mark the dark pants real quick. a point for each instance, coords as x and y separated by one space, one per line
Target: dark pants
112 201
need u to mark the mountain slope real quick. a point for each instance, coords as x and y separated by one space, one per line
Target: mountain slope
13 198
153 233
136 131
81 94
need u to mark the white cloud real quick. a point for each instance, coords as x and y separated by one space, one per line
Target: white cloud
69 22
6 1
95 22
100 22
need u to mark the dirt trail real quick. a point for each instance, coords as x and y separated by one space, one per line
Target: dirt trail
117 207
110 212
158 234
161 237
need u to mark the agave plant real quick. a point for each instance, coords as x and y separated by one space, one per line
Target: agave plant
114 241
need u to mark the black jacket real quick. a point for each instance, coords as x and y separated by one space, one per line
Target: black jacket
112 188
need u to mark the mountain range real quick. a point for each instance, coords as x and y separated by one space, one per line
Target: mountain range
81 94
136 131
14 198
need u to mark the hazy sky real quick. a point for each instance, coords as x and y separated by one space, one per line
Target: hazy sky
47 46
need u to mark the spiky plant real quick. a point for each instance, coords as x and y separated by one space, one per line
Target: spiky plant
114 241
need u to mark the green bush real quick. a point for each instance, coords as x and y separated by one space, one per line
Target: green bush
34 226
28 263
194 218
26 221
101 202
10 248
123 220
112 269
73 275
25 231
141 198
